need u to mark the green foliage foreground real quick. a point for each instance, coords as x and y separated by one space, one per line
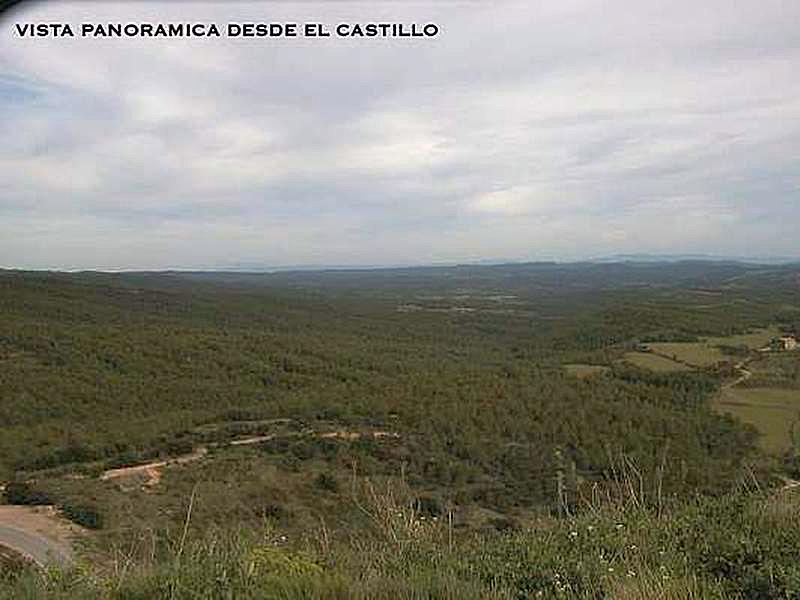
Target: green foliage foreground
741 546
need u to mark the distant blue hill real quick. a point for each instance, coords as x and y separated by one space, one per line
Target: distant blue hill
656 258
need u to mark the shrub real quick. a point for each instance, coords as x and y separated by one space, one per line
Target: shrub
22 492
327 482
83 514
429 506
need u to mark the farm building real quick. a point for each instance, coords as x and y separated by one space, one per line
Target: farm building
785 343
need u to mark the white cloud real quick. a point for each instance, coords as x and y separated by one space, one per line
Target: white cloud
564 129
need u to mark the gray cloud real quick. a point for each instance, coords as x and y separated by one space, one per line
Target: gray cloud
526 130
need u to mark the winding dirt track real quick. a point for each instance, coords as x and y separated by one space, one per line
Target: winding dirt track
36 534
152 471
35 547
744 375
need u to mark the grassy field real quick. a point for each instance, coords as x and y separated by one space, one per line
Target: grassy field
697 354
681 356
771 411
754 340
583 371
656 363
776 370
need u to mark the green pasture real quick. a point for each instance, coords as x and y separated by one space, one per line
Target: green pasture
772 411
696 354
653 362
754 340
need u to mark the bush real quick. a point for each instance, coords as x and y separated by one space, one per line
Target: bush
22 492
275 512
327 482
82 514
429 506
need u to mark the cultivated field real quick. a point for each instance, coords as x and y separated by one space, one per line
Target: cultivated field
656 363
696 354
754 340
772 411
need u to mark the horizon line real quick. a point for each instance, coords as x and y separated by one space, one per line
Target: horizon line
633 258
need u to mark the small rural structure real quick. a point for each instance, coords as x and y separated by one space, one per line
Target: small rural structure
785 343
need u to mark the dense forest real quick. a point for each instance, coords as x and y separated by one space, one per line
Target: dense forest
450 380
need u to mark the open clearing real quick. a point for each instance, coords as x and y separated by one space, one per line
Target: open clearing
653 362
696 354
584 371
755 340
771 411
683 356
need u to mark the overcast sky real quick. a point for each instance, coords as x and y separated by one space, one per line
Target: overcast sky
534 130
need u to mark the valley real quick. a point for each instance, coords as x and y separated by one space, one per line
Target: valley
302 410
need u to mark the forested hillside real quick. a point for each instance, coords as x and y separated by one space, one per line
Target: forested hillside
451 381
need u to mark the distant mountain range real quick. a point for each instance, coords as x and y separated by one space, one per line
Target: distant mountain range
640 258
759 260
614 258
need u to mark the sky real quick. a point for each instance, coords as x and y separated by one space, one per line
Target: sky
557 130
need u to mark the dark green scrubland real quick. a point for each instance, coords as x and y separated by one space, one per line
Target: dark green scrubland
421 436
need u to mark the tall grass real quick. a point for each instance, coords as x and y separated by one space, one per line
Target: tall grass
739 546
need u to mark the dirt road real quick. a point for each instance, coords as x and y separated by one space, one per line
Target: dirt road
36 534
149 474
744 375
